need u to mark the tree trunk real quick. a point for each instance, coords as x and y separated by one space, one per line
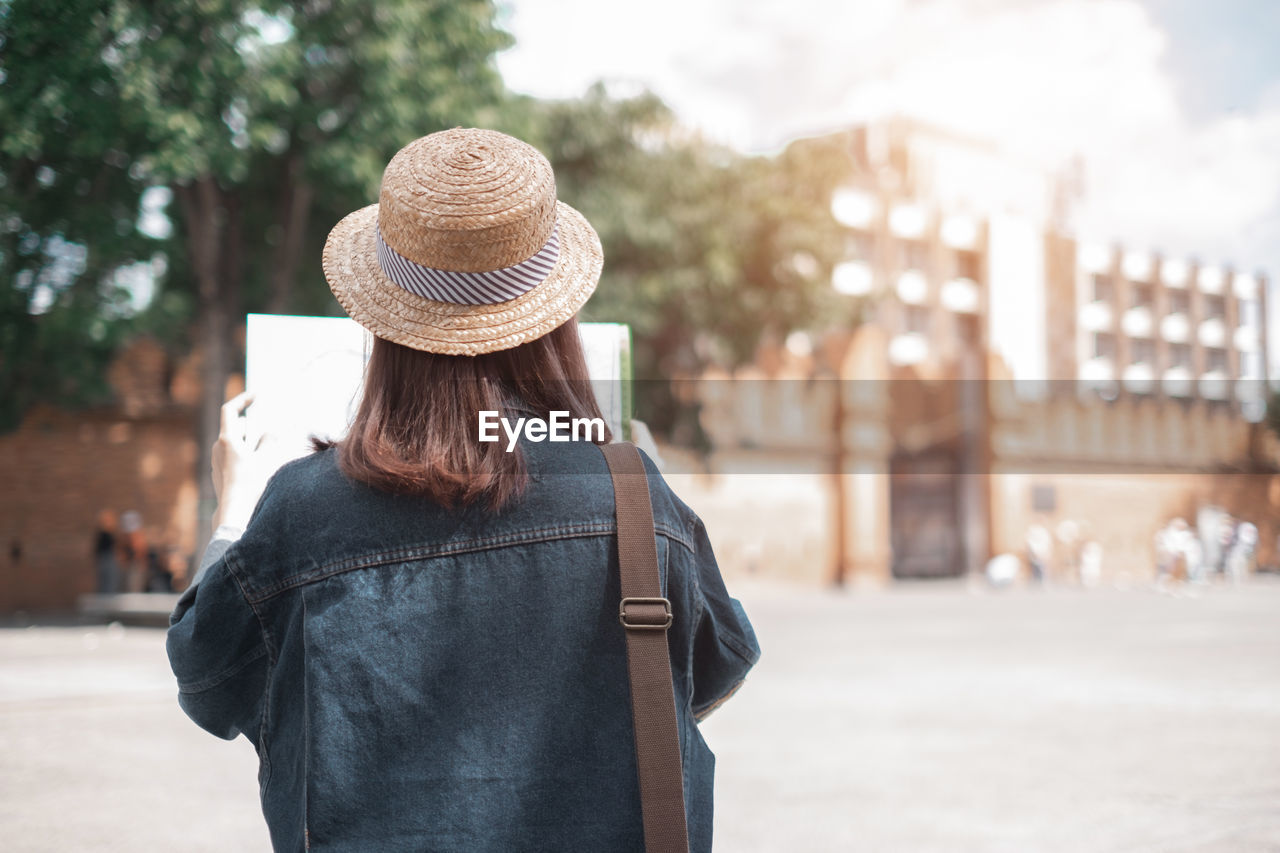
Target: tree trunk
213 238
292 212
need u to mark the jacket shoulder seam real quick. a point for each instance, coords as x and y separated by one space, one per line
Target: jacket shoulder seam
433 551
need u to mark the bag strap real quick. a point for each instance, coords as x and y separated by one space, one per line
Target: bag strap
646 616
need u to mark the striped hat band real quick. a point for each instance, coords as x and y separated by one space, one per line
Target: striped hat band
470 288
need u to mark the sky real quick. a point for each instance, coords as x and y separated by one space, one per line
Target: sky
1173 106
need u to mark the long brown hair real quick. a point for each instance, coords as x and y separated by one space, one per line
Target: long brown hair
417 429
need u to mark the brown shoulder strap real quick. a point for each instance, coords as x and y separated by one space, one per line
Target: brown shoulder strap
646 615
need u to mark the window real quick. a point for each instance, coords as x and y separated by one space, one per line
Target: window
1215 360
861 150
1143 352
859 246
1180 356
917 319
1141 295
1104 345
1103 290
913 255
900 161
967 265
1249 313
1251 365
1215 308
1044 498
1179 302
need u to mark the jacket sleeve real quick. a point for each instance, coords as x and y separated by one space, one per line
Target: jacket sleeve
724 643
218 651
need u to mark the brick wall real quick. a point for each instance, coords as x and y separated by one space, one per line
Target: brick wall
62 469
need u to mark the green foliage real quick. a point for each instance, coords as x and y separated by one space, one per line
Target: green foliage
67 182
274 101
277 98
367 84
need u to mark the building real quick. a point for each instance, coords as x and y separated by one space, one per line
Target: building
65 468
1009 376
959 237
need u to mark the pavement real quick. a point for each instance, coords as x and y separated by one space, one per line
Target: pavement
934 717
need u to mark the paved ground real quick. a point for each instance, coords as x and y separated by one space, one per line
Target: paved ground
923 718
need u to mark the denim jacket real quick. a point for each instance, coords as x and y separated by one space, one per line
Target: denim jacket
423 679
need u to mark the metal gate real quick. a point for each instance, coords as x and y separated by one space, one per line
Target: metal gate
924 516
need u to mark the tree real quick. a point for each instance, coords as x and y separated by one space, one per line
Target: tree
254 116
69 199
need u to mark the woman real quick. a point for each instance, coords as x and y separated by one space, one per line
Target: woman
418 630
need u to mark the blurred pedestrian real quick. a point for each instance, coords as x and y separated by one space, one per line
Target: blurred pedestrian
1228 534
179 563
1226 541
1090 563
1179 535
1193 557
132 548
1208 529
1068 533
1166 551
1039 551
1002 570
104 554
159 575
1240 560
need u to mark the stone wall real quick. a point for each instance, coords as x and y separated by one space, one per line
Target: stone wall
1123 511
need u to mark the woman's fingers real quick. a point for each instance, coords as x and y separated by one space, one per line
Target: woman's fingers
231 413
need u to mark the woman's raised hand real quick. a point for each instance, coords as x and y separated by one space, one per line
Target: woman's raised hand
240 471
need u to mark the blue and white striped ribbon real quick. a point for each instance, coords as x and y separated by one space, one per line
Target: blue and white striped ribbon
470 288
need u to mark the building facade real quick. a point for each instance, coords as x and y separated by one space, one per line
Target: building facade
1010 376
135 456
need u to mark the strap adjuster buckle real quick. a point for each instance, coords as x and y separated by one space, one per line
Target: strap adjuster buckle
645 619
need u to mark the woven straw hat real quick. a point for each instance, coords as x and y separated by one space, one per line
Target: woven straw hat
467 250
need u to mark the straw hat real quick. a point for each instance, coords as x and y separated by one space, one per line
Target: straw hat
467 250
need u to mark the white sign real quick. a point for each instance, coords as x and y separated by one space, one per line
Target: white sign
307 374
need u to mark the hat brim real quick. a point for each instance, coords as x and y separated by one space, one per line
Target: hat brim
389 311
